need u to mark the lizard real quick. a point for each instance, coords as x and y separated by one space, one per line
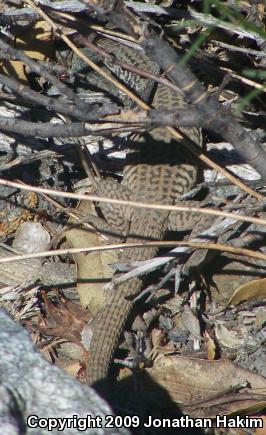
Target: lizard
158 169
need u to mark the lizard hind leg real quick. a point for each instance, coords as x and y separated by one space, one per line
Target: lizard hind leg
117 215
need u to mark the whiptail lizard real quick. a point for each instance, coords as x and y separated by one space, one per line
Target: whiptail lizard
158 170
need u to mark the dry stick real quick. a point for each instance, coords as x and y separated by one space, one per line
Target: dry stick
95 27
138 204
247 51
174 131
197 245
245 80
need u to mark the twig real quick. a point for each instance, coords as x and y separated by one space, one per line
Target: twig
196 245
138 204
244 50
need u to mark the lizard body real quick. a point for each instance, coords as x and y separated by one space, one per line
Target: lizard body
158 169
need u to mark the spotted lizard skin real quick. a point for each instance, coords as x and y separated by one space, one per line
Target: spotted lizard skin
158 169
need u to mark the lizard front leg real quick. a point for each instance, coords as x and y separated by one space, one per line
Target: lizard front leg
183 220
186 221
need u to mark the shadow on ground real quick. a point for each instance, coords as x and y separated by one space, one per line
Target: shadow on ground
138 395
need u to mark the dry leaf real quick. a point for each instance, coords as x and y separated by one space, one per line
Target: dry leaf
211 346
157 337
92 269
227 338
191 322
86 336
207 384
255 289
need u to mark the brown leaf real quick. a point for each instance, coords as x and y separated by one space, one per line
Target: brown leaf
63 319
92 269
203 387
211 346
227 338
255 289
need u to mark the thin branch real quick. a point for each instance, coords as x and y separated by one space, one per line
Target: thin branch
47 130
138 204
60 105
196 245
244 50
